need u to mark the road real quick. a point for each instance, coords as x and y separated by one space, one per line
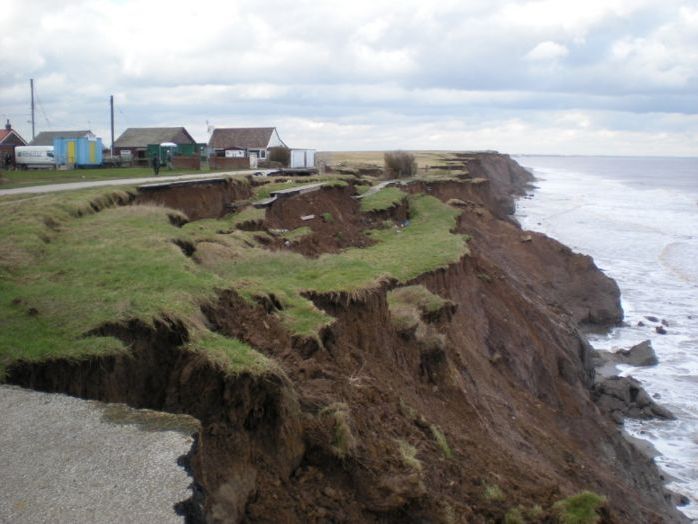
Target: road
52 188
66 460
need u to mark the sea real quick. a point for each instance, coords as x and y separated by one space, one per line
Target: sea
638 218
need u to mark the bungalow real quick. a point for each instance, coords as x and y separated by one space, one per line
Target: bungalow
45 138
244 141
9 139
134 141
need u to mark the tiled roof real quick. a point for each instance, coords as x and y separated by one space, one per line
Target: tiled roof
241 137
142 136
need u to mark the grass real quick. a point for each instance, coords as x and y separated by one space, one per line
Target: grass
580 509
343 441
409 455
298 233
35 177
494 493
66 269
441 441
418 296
380 200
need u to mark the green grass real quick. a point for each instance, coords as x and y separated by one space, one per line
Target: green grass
296 234
51 176
580 509
418 296
383 199
66 270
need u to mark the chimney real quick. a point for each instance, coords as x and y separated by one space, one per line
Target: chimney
8 126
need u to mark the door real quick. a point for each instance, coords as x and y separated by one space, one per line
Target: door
71 152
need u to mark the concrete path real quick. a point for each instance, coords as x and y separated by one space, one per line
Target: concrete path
66 460
51 188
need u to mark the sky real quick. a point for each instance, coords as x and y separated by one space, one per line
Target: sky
609 77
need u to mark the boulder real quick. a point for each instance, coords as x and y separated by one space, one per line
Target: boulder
641 354
624 397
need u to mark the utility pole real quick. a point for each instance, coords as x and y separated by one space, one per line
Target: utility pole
31 85
111 107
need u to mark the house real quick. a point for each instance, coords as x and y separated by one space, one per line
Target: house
9 139
244 141
45 138
134 141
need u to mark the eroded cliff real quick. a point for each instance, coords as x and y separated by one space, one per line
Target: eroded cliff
459 394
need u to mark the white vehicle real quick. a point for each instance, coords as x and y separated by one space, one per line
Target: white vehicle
34 157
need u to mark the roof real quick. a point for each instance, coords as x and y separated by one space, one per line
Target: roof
7 133
142 136
241 137
45 138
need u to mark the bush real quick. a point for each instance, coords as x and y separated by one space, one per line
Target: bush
400 164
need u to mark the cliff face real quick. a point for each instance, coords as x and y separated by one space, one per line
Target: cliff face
480 406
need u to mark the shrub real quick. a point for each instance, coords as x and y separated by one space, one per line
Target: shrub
400 164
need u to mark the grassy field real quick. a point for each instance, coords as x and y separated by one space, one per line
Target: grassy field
65 270
36 177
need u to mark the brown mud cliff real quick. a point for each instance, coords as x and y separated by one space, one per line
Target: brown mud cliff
483 408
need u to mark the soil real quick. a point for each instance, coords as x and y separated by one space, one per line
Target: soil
337 222
504 401
197 199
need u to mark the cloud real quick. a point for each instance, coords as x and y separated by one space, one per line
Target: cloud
339 70
547 51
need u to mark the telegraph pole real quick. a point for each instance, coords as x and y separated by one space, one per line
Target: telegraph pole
111 107
31 86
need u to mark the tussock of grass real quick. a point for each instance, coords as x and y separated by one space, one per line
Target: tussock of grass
343 441
383 199
418 296
580 509
494 493
514 516
441 441
409 455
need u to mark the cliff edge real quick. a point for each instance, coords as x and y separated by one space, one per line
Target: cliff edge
406 354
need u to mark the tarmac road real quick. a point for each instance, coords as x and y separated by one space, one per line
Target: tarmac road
66 460
51 188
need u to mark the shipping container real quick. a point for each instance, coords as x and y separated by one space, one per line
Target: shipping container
78 152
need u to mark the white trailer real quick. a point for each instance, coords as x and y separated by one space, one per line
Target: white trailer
34 157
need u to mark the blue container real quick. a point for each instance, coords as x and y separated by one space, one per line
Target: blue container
79 152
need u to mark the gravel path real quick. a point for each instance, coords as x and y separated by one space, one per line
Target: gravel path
66 460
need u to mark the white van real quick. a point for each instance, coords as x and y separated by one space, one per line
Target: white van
34 157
